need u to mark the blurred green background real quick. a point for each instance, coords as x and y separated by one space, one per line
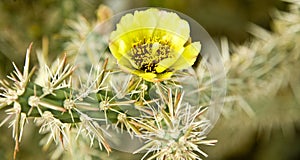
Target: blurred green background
26 21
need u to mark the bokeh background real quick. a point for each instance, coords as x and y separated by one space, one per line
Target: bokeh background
25 21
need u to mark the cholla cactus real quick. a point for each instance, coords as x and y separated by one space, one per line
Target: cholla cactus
264 66
263 86
175 134
88 100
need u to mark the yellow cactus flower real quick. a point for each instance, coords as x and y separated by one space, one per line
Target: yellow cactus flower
153 44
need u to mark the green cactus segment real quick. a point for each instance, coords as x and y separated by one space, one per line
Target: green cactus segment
57 98
94 100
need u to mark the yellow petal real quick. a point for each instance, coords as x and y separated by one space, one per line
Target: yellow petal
147 18
143 22
188 57
166 63
146 75
177 28
151 77
122 27
117 48
164 76
127 63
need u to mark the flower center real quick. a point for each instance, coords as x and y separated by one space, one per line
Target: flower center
147 54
